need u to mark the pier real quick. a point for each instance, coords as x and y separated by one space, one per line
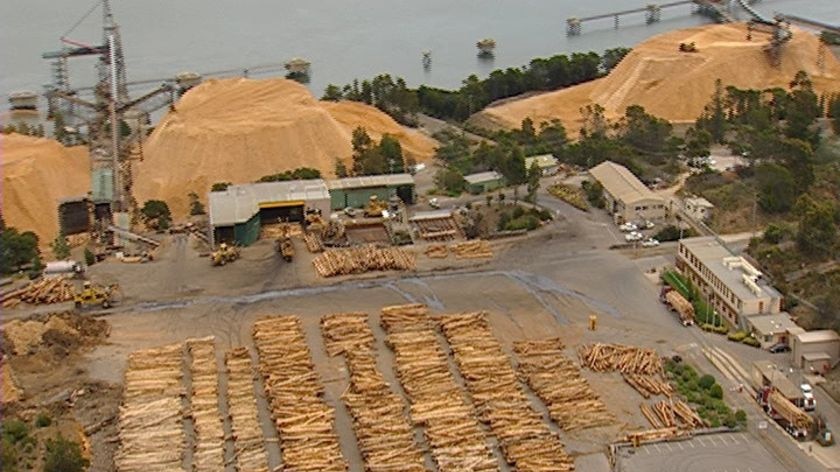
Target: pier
653 13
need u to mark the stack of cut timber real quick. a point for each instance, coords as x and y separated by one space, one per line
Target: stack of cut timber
557 381
525 440
454 434
649 385
625 359
362 259
437 251
659 434
789 411
248 443
208 447
672 413
308 441
651 416
472 249
386 439
41 292
151 431
278 230
313 242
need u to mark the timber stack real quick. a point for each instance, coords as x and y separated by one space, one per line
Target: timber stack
602 357
385 437
151 431
649 385
454 434
525 440
305 423
437 251
556 380
208 446
655 435
362 259
248 442
313 242
477 249
41 292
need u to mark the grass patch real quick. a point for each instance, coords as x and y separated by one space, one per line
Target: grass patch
704 394
571 195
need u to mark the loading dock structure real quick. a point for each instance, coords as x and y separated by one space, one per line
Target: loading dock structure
355 192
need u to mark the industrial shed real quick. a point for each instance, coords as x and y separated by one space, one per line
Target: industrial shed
547 164
355 192
484 182
816 351
628 199
238 213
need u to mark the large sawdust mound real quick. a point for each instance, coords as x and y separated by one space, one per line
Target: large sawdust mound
38 172
238 130
676 85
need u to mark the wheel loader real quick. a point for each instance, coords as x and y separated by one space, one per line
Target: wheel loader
224 255
92 296
375 207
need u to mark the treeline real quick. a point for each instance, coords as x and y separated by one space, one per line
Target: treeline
372 158
301 173
395 98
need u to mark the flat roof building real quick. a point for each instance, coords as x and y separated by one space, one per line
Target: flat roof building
355 192
772 329
627 198
698 208
484 182
547 163
816 351
731 284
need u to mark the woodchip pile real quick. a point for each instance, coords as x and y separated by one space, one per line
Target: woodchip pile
437 251
625 359
313 242
385 437
305 423
362 259
208 447
476 249
649 385
672 413
524 438
41 292
454 434
248 443
151 431
557 381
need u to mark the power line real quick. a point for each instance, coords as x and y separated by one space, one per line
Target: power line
83 18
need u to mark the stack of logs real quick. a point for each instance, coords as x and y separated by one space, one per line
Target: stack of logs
789 411
313 242
362 259
41 292
305 423
437 251
524 438
151 431
649 385
208 447
454 435
625 359
556 380
672 413
248 443
654 435
386 439
476 249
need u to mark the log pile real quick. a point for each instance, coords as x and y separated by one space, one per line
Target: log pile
362 259
672 413
437 251
455 437
305 423
208 447
781 405
386 439
556 380
476 249
525 440
151 431
653 435
602 357
649 385
41 292
248 443
313 242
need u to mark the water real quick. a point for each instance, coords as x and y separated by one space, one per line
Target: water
344 39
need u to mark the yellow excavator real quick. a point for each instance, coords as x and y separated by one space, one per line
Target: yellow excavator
375 207
224 255
92 296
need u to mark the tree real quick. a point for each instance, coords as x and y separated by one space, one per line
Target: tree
643 131
220 186
594 122
450 180
612 57
156 214
594 193
802 110
834 112
16 249
90 258
817 233
63 455
698 142
391 151
332 93
713 118
60 248
776 188
340 169
534 174
196 207
301 173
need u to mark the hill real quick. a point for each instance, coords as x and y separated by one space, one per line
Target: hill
676 85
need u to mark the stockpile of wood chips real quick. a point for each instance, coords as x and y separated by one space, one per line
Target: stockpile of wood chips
557 381
602 357
208 447
41 292
248 442
386 439
476 249
525 440
454 434
362 259
313 242
305 423
672 413
437 251
151 431
649 385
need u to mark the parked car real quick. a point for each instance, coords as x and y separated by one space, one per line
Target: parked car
779 347
810 403
628 227
633 236
650 242
647 224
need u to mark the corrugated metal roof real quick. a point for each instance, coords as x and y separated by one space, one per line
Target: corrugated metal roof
823 335
699 202
387 180
619 182
431 215
239 203
777 378
543 161
482 177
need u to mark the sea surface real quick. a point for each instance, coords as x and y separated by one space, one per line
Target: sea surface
343 39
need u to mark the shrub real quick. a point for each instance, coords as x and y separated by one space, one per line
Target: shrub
8 456
518 211
716 391
90 259
730 421
741 417
774 234
64 455
737 336
15 431
43 420
527 222
751 341
706 382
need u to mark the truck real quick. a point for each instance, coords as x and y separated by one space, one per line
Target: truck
789 416
677 303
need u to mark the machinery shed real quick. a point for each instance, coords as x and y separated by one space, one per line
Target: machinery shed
238 213
816 349
484 182
355 192
74 215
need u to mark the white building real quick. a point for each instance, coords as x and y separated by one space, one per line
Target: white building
627 198
698 208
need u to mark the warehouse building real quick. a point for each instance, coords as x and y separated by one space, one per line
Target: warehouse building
627 198
238 213
484 182
733 287
355 192
547 164
816 351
